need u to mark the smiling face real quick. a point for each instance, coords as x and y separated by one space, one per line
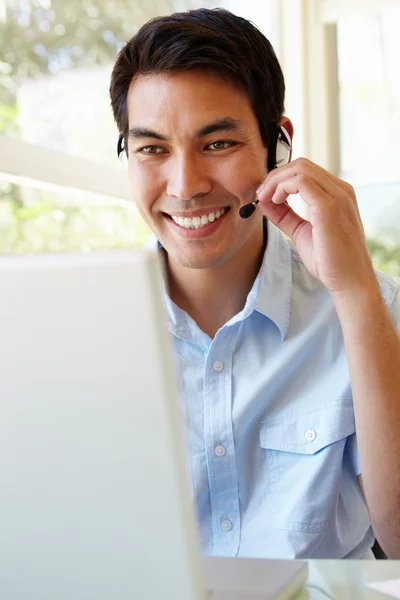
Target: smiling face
195 157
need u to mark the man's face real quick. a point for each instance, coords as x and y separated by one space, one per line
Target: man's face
195 157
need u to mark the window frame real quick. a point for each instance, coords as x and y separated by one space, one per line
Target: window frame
39 167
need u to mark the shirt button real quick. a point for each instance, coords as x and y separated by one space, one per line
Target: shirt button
226 525
220 451
218 366
310 435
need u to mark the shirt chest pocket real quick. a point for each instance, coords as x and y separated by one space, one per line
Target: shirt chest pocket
303 464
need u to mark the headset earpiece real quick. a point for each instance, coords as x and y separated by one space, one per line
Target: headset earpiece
122 152
283 147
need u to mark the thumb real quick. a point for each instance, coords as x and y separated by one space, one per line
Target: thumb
283 216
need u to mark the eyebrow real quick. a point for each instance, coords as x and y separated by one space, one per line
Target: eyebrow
225 124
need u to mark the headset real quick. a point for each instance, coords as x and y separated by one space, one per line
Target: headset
121 149
276 159
283 147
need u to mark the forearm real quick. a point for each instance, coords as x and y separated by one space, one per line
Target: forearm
373 353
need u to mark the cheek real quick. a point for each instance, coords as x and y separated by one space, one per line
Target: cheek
144 186
243 176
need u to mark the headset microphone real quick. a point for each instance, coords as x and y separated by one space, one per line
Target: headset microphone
282 155
247 210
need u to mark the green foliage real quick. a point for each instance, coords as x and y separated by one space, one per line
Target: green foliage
8 119
48 36
385 256
48 227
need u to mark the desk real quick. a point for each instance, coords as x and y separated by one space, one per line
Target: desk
347 579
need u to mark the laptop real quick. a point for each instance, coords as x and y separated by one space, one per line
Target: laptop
95 499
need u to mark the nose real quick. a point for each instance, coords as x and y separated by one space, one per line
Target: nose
187 177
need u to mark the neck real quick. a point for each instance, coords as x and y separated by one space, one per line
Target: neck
213 296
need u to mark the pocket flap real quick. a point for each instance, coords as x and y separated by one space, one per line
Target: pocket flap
308 430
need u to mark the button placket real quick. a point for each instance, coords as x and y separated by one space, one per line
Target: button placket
218 425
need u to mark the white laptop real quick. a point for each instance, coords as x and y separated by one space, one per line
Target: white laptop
95 502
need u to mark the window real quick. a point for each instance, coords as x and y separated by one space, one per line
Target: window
369 116
55 65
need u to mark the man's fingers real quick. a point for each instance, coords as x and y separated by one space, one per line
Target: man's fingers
284 217
308 189
305 170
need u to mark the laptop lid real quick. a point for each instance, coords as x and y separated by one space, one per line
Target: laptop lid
95 499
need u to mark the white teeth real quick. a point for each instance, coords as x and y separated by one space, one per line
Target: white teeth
198 222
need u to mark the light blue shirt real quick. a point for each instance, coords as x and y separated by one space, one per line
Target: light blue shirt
270 421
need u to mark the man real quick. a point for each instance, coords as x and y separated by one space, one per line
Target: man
285 347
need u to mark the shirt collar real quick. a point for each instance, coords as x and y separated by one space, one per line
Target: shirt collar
271 291
274 291
270 294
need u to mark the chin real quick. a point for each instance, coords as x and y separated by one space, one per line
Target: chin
203 254
198 261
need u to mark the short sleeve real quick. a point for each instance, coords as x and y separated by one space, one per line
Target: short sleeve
391 294
395 309
351 451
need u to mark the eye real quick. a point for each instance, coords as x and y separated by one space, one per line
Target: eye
151 150
221 145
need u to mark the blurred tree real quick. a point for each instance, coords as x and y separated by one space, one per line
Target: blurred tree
50 226
48 36
385 256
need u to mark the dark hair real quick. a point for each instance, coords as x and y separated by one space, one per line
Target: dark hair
213 39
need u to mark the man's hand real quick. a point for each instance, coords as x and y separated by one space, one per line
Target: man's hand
333 247
332 243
